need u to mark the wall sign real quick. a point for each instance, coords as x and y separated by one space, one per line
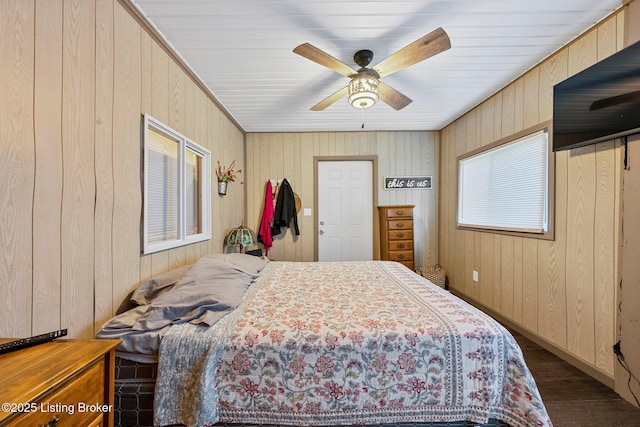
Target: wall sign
408 183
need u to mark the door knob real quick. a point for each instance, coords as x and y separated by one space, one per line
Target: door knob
321 232
321 222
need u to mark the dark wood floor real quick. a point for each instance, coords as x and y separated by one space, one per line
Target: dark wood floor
572 398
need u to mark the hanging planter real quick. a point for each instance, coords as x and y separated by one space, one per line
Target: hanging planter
222 187
226 175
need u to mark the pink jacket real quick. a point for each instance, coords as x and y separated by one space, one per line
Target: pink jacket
267 218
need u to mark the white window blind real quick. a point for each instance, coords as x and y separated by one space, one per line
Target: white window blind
506 187
162 187
177 201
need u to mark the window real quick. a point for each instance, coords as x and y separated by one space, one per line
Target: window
506 187
177 175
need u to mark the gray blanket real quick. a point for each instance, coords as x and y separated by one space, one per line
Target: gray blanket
209 290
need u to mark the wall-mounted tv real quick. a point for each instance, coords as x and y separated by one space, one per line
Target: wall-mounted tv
600 103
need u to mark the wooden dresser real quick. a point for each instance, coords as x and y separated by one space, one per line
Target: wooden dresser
71 381
396 234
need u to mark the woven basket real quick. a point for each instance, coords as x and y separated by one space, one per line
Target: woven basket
435 274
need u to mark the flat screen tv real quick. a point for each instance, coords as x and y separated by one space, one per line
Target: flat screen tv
600 103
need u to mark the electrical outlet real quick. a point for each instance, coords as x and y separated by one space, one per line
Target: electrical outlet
475 276
616 349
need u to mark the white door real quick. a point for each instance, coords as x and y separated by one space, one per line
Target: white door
345 210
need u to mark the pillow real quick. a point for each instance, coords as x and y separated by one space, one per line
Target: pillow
249 263
209 290
155 286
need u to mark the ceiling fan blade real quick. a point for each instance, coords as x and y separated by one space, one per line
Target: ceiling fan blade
392 97
329 100
614 100
425 47
321 57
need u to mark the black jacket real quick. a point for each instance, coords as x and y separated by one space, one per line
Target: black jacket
285 210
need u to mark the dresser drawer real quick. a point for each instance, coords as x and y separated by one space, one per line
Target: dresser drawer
400 224
398 212
400 245
401 255
79 402
400 235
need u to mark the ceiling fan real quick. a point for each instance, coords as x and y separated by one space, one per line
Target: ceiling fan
365 87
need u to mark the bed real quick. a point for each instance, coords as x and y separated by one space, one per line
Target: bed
319 344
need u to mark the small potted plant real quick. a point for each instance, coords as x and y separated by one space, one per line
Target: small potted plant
226 175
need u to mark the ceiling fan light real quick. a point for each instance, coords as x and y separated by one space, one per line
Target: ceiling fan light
363 91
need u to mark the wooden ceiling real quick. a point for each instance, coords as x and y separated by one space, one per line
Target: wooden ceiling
242 50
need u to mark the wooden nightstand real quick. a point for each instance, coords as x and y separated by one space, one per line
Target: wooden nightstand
68 380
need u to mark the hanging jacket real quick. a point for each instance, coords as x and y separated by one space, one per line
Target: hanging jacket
285 210
264 234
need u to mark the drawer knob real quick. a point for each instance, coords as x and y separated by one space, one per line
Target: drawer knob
52 422
399 213
401 256
401 245
400 225
401 235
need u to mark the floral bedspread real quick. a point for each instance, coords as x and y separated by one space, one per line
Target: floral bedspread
346 343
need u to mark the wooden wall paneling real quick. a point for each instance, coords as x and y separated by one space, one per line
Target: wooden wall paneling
127 201
146 107
177 120
47 192
448 215
459 250
552 254
555 286
78 193
496 280
487 131
518 107
606 224
429 199
605 252
518 280
629 291
580 214
608 38
103 281
255 187
220 226
265 162
552 293
497 116
385 166
530 284
531 87
469 287
507 272
508 110
485 275
306 163
580 249
160 82
395 165
160 96
17 165
218 202
303 222
288 168
275 154
446 164
192 112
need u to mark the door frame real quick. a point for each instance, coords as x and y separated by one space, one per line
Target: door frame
374 200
